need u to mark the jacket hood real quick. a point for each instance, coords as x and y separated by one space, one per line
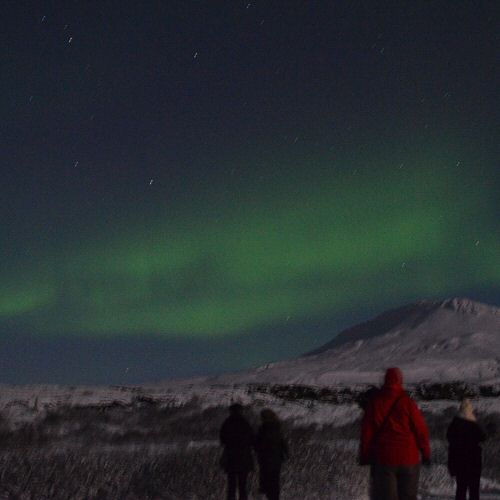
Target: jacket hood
393 377
466 410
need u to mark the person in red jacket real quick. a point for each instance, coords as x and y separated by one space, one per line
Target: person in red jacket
394 440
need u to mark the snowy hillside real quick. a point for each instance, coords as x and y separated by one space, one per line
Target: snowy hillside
456 339
151 442
433 342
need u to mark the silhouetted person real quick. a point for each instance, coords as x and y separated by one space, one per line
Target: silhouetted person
237 438
271 451
464 452
365 397
363 400
394 437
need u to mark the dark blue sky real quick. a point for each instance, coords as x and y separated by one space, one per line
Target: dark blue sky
194 187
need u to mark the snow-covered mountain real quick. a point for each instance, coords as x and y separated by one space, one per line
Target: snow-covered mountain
455 339
137 429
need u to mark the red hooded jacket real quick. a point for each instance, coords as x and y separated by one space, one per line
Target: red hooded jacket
404 436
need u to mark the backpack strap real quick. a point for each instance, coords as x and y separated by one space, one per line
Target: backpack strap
377 433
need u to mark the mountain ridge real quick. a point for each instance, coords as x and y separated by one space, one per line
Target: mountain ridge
432 341
417 310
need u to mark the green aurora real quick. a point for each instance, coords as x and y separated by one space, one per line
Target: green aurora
295 247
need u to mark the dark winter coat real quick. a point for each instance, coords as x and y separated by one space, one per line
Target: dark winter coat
237 438
404 438
464 451
270 446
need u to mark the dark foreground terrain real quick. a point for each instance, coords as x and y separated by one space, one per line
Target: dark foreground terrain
147 450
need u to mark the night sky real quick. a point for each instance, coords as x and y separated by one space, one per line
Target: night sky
192 187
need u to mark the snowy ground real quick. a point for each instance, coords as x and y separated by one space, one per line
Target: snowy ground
161 442
146 472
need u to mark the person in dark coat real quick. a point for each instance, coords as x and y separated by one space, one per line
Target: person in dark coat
237 438
464 452
271 451
394 440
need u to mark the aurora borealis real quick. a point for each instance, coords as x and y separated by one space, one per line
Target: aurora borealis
188 198
305 250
